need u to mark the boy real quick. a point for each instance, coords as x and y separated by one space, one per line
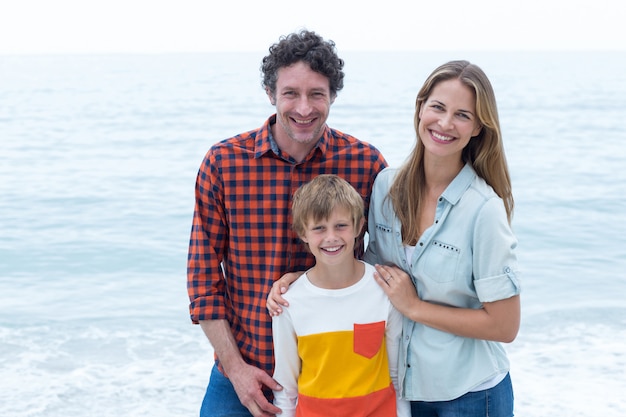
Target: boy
336 346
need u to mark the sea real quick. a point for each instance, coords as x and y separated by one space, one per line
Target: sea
98 158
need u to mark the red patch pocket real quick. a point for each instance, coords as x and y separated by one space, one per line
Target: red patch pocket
368 338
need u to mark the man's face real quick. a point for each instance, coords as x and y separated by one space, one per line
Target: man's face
302 101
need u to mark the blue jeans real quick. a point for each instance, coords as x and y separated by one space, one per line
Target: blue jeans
221 399
492 402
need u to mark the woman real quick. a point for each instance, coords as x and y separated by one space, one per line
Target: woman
444 217
439 232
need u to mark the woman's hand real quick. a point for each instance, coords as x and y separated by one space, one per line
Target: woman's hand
275 298
398 286
497 320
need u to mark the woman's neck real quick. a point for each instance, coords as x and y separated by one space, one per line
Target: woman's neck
439 173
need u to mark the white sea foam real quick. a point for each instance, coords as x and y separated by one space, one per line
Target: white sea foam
98 156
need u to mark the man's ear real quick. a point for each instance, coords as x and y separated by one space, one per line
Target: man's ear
271 96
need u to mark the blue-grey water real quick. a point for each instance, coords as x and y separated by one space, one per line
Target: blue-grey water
98 157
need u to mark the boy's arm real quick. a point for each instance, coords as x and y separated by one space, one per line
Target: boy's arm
287 368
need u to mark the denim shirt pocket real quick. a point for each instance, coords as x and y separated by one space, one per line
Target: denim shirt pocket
385 237
368 338
441 261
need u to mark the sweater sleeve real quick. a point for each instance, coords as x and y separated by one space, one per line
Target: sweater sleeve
287 368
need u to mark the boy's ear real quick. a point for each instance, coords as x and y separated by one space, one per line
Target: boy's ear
361 226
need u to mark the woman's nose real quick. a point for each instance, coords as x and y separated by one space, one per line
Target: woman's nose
446 121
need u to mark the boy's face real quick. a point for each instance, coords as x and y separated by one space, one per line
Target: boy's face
332 240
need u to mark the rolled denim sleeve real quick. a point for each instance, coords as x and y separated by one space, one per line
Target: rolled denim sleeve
496 271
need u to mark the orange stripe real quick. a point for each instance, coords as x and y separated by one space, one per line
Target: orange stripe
378 404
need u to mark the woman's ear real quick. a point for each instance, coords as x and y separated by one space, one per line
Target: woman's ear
477 130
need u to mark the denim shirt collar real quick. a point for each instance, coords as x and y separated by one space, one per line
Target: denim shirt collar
459 184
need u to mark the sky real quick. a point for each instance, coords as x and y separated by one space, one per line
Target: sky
163 26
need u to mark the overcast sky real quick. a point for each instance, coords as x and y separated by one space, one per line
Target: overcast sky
146 26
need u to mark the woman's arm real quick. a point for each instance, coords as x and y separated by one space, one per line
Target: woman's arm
497 320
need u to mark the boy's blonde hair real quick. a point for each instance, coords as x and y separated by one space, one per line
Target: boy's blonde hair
317 199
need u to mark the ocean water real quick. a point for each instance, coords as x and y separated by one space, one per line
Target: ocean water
98 157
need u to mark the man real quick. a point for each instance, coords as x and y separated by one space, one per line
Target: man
241 239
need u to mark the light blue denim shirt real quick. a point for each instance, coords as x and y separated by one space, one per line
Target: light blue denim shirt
465 258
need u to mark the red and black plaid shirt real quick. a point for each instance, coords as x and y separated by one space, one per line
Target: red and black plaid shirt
242 223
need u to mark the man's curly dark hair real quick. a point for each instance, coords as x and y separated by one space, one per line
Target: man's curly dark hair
304 46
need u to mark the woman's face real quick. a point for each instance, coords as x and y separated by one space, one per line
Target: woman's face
448 119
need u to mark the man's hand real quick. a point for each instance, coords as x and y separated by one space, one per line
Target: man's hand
248 382
275 298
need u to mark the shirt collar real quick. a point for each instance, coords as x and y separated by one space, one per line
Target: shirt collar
459 184
265 141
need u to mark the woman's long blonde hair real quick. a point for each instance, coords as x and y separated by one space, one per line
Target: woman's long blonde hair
484 152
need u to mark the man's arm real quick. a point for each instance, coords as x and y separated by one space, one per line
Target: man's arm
247 380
